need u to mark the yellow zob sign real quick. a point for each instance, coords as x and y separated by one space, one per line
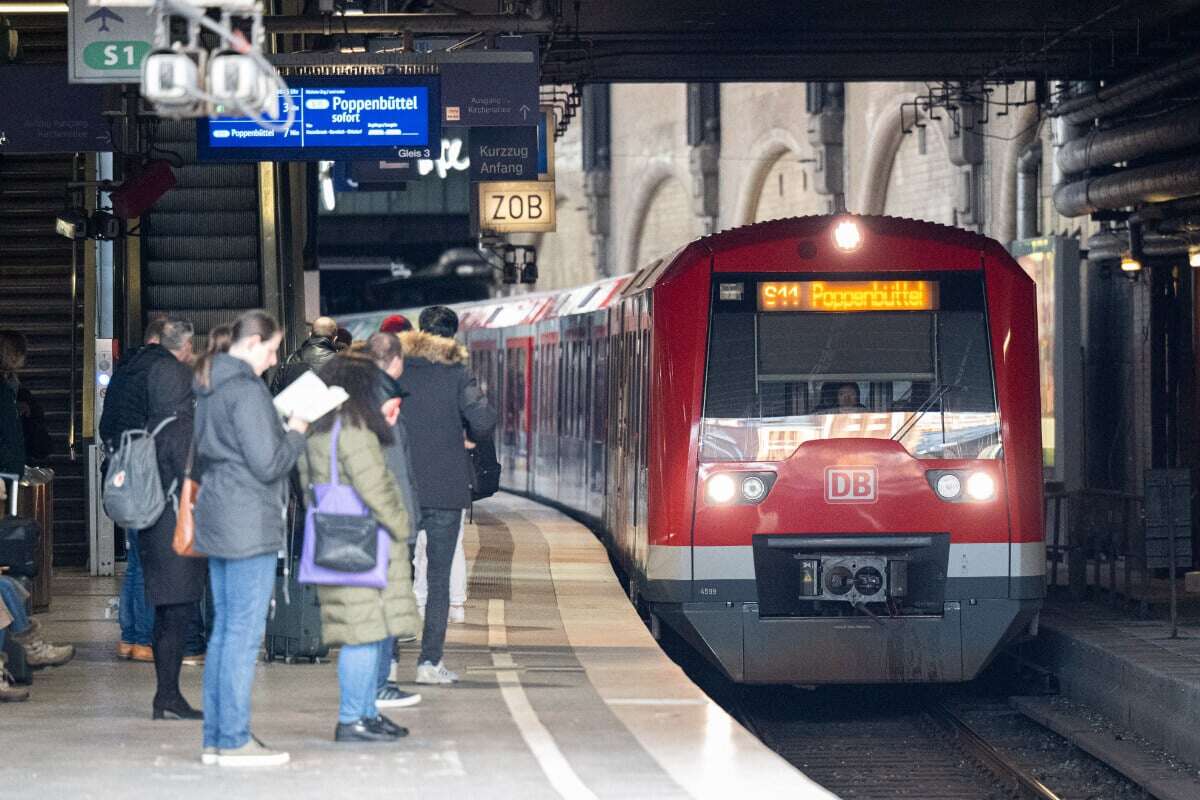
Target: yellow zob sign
516 206
902 295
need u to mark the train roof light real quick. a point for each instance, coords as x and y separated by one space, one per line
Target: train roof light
847 235
1194 255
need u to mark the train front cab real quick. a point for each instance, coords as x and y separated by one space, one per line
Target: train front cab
892 534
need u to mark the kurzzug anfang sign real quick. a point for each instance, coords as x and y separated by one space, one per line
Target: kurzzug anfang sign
508 153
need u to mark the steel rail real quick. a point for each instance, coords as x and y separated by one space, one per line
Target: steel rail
988 756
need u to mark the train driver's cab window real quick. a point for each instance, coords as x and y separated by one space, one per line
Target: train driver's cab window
778 378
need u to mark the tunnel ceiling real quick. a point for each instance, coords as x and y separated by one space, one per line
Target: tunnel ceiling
738 40
709 40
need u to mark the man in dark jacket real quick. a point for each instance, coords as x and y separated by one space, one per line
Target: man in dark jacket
316 351
127 407
443 404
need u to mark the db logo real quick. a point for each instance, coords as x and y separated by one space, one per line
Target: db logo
850 484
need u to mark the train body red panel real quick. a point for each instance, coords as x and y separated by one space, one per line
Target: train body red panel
813 444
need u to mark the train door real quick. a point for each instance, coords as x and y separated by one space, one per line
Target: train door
641 535
573 441
545 479
516 412
597 393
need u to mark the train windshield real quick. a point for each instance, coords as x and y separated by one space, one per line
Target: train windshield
791 362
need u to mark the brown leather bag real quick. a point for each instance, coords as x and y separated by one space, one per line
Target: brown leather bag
184 542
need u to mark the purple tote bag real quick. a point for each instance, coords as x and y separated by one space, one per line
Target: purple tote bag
339 498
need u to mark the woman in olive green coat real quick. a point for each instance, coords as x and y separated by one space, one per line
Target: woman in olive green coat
361 619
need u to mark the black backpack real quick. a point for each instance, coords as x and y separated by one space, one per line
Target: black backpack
485 479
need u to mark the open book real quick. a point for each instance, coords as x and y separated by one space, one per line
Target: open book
309 398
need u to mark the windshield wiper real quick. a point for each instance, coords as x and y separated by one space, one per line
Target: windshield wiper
933 398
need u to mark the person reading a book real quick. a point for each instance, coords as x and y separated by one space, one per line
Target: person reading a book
239 517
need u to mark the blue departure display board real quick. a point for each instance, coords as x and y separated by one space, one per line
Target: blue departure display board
336 118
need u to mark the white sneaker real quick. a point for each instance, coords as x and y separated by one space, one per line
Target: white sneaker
209 756
458 614
435 673
252 754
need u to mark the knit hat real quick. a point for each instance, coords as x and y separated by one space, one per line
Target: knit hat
396 323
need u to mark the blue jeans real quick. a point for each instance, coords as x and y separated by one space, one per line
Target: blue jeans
242 589
441 526
386 648
135 614
358 666
12 595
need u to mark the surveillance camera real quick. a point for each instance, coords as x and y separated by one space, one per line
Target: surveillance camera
236 82
170 80
72 224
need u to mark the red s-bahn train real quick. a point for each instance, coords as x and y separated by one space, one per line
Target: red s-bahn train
813 444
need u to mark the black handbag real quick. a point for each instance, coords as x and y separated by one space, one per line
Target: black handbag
485 470
346 535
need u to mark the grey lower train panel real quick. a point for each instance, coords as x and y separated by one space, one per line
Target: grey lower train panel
810 650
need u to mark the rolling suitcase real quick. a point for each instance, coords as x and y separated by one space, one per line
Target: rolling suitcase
294 627
36 502
294 630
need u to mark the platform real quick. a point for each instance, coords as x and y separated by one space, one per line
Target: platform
564 694
1127 668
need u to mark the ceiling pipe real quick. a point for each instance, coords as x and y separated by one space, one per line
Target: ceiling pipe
1109 246
1028 165
1100 148
1112 100
1156 183
333 24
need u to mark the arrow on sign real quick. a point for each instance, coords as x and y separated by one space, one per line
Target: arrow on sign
524 112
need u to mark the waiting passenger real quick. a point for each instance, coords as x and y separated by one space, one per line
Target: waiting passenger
25 630
316 351
12 434
126 407
361 619
174 584
385 350
443 402
239 517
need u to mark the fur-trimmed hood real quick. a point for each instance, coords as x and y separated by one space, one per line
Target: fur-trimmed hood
434 349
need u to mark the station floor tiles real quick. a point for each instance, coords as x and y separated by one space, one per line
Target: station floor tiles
564 694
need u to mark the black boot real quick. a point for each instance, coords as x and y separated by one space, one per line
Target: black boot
176 709
363 730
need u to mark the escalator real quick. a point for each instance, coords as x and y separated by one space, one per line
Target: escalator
200 241
36 299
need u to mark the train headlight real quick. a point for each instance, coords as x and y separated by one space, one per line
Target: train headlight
753 488
981 486
847 235
720 489
948 486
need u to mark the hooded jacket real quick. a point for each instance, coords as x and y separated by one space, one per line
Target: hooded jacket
443 402
246 456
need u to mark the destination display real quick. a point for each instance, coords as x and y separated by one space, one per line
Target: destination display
901 295
378 117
